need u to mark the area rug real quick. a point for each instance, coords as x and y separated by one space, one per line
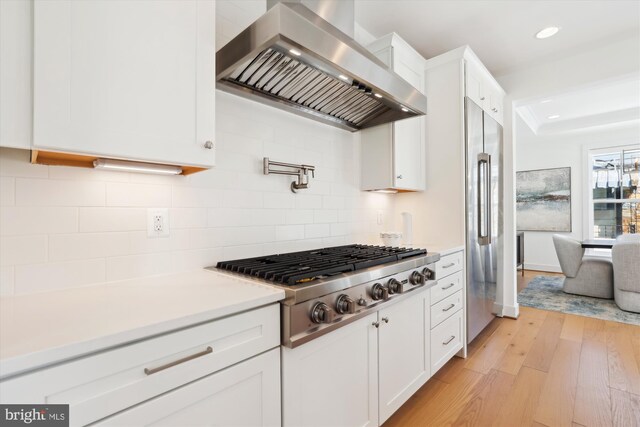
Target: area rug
546 293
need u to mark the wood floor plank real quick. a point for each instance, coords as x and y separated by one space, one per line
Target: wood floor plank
491 352
624 372
555 407
593 400
412 413
486 400
517 351
625 408
634 332
519 408
594 330
542 350
445 409
572 328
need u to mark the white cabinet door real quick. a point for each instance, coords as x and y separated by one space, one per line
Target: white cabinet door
246 394
403 351
408 154
333 380
475 89
16 98
127 79
496 105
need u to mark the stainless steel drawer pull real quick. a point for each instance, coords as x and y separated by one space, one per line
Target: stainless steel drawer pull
385 319
449 308
376 324
447 287
177 362
449 340
451 264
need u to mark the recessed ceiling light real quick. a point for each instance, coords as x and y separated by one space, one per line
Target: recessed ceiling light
403 108
343 77
377 95
547 32
554 116
295 52
546 101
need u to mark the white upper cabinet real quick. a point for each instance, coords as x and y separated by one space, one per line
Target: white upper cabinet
125 79
393 154
16 99
482 88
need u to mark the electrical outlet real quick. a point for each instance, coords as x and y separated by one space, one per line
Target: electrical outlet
158 222
380 217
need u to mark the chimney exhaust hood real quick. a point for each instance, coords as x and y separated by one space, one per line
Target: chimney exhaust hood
293 59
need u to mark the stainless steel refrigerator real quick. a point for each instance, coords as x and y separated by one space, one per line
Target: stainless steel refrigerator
483 215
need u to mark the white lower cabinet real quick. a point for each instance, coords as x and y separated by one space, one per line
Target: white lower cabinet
333 380
403 354
360 374
205 374
246 394
446 341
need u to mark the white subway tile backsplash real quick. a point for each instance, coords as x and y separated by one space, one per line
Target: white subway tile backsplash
314 231
67 247
17 220
186 197
7 191
286 200
308 201
196 259
111 219
290 232
129 267
325 215
243 199
188 218
51 276
47 192
6 281
73 173
234 236
16 163
244 251
122 194
299 216
15 250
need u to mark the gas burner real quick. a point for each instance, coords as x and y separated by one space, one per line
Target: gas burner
298 268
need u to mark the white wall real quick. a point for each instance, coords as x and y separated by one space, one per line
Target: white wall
620 58
63 227
556 151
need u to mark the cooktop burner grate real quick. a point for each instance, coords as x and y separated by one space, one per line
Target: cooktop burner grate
303 267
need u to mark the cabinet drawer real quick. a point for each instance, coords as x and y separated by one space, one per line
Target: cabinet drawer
99 385
449 264
246 394
446 341
447 286
445 308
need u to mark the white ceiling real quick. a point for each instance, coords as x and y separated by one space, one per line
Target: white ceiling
501 32
608 104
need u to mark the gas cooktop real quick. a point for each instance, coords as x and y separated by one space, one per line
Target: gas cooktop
299 268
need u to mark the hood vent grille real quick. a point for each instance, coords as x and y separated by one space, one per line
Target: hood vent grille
280 76
292 59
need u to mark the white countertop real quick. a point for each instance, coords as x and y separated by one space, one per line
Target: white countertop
41 329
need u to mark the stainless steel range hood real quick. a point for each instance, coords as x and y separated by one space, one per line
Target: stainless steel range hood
293 59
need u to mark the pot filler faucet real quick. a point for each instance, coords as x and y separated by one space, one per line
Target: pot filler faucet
300 171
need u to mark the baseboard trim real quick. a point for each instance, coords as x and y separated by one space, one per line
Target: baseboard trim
543 267
511 311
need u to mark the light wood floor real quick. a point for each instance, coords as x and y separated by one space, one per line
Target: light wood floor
543 369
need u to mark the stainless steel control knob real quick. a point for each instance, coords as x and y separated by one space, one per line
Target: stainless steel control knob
379 292
322 313
345 305
395 287
416 278
427 274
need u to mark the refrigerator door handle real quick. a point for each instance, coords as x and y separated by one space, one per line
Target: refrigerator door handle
484 199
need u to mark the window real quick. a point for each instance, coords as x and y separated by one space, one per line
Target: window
615 174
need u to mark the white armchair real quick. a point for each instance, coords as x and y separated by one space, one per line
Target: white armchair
585 275
626 272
